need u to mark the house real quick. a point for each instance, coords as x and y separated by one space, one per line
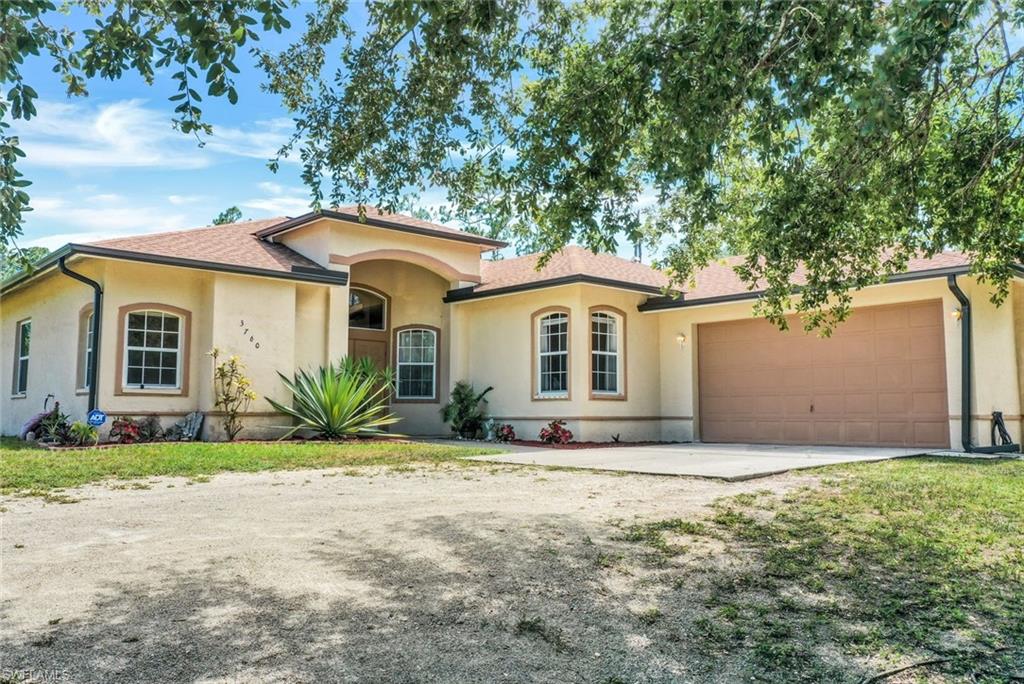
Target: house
589 338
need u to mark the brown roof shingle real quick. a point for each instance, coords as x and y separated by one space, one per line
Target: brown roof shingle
569 261
231 244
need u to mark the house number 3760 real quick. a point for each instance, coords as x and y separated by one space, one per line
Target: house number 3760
247 333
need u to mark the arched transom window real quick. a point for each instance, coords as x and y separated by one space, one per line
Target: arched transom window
366 310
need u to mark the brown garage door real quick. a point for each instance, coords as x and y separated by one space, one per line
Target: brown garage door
879 380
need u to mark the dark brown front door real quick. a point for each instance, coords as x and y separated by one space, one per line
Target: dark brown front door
369 343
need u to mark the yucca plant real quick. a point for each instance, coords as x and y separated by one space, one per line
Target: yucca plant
339 400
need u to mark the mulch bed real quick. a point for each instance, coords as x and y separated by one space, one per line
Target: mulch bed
580 445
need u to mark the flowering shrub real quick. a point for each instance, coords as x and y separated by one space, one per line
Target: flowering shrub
124 430
556 433
504 433
232 392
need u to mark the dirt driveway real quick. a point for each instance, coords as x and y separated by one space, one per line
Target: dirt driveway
478 574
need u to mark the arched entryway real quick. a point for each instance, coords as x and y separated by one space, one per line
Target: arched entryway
369 324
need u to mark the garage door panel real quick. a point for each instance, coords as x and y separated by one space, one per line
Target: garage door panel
879 380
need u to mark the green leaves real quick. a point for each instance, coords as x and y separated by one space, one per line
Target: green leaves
826 140
138 36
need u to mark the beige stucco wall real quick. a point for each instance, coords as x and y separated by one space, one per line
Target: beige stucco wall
996 370
325 238
53 305
494 348
415 299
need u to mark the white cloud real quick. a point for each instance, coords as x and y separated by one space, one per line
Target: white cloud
287 205
116 219
185 199
128 134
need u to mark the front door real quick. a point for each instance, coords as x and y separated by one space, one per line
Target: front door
361 345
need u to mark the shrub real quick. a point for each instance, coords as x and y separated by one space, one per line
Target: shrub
555 433
150 429
504 433
339 400
82 434
232 392
467 410
125 430
55 427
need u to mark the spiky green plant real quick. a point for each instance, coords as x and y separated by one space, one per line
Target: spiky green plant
339 400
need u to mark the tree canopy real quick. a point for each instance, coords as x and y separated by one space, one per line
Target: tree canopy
230 215
834 138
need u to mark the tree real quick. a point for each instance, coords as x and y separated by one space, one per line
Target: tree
836 137
230 215
129 35
15 260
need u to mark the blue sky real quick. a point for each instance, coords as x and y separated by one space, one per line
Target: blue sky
110 164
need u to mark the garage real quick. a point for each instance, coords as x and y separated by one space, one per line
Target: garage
879 380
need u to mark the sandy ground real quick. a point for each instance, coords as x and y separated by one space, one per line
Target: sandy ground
477 574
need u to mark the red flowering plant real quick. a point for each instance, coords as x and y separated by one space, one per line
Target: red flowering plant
124 430
504 433
556 433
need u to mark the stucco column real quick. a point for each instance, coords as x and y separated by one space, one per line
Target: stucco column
337 322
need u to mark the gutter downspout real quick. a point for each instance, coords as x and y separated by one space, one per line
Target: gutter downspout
965 363
97 318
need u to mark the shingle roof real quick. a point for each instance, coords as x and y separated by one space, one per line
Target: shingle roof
569 261
232 244
720 280
384 219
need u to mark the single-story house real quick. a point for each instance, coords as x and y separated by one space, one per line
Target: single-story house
125 325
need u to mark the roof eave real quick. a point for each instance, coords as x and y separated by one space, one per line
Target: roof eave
668 303
486 244
298 273
464 294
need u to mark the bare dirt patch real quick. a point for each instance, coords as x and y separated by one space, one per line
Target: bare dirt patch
342 575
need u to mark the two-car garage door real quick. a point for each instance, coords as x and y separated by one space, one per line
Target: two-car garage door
879 380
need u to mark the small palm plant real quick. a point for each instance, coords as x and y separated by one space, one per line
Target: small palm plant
340 400
467 410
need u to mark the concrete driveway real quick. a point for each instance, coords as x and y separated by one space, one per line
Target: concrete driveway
732 462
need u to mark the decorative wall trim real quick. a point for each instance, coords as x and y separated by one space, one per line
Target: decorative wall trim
534 333
430 263
186 349
623 391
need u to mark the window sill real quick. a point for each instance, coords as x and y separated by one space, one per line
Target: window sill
412 400
19 396
81 391
551 397
152 391
607 396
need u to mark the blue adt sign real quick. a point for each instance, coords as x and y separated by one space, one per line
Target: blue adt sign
97 417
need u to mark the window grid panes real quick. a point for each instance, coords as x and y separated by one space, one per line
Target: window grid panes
24 342
89 355
366 310
417 355
152 350
553 352
604 355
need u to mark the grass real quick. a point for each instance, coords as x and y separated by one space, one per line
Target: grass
40 471
877 565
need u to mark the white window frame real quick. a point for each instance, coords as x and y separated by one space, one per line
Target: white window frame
143 386
399 364
540 333
90 337
616 319
21 354
384 310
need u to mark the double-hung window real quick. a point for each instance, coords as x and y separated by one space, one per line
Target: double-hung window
605 354
22 343
417 364
89 350
153 350
553 355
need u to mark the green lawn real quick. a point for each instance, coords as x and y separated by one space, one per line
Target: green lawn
883 565
34 470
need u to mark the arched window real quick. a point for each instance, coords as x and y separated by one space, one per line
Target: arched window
607 365
417 363
552 363
366 310
153 350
